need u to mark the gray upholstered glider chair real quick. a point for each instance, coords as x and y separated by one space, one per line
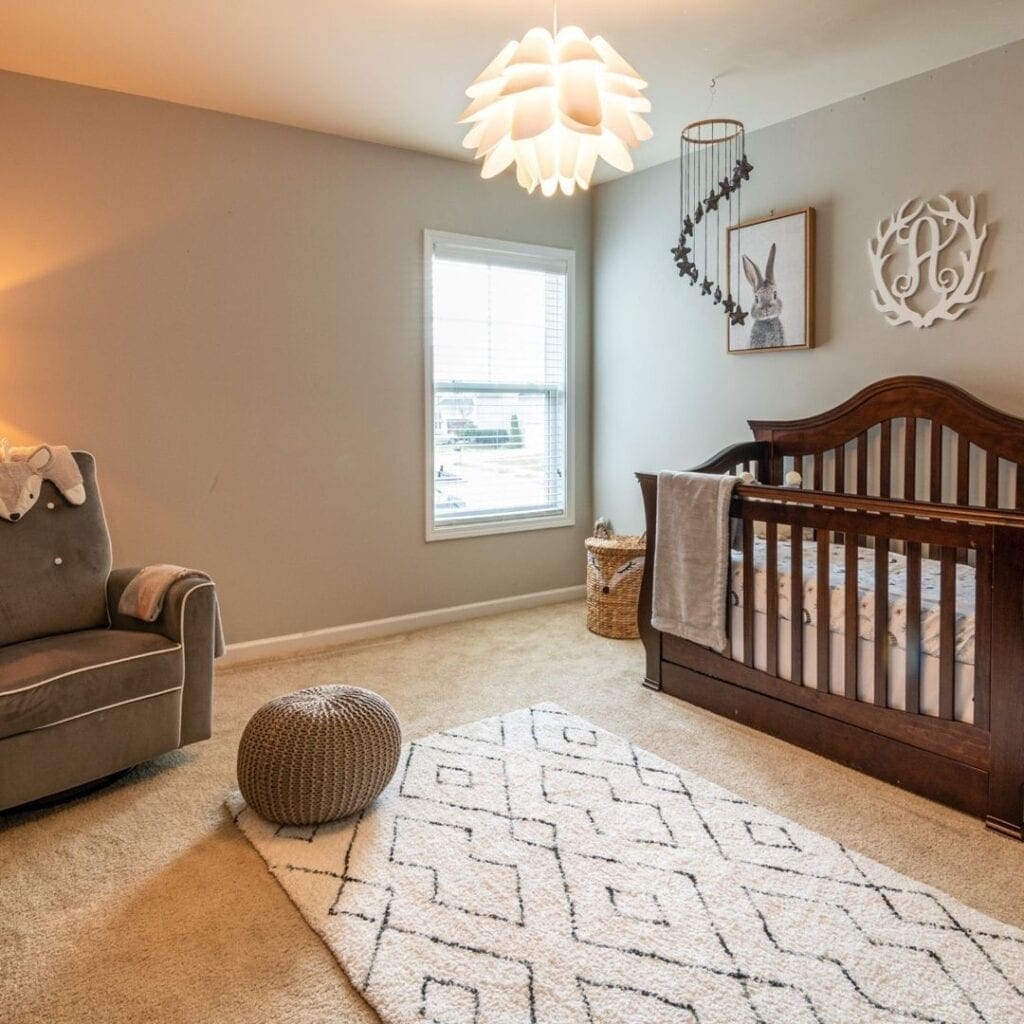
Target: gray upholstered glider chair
84 691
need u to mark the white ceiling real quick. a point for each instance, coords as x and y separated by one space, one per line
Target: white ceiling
394 71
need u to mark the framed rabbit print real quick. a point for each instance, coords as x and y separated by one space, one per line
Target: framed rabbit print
771 275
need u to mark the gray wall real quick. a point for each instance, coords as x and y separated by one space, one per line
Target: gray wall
667 394
229 314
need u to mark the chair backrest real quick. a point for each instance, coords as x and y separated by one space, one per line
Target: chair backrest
54 564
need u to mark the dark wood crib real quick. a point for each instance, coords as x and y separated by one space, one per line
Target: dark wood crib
914 478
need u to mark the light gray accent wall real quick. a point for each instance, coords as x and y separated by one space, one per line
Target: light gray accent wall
666 393
229 314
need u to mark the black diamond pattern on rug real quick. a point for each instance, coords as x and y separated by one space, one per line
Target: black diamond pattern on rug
533 869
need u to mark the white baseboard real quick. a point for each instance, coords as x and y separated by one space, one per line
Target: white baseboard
332 636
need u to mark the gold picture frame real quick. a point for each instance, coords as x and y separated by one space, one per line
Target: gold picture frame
776 262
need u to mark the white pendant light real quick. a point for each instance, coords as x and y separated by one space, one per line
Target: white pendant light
553 104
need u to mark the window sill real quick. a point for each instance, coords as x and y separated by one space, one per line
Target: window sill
487 528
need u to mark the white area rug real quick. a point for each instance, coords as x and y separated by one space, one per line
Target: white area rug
533 869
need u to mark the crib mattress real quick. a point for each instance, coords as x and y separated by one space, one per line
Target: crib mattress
931 575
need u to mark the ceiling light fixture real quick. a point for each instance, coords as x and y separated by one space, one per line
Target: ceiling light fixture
553 103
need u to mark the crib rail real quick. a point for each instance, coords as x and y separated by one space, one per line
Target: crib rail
749 457
929 510
823 520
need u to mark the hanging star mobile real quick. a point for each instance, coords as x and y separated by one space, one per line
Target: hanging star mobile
710 151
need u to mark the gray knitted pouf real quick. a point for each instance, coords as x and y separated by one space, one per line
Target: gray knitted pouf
318 754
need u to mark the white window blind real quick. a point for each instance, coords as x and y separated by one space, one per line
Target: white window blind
498 360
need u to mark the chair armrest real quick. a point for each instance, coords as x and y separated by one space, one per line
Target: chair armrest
116 583
195 624
170 622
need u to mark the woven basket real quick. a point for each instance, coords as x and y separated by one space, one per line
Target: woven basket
615 568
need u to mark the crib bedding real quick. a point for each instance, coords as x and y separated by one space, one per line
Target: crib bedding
928 684
931 576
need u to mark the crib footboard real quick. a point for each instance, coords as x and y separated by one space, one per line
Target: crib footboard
887 635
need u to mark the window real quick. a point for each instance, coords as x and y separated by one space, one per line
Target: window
499 353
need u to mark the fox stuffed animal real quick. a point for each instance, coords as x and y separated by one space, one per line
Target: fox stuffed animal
20 482
22 471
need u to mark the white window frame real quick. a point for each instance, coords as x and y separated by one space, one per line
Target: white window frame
526 255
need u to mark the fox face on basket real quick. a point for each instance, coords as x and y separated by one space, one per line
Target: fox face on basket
630 570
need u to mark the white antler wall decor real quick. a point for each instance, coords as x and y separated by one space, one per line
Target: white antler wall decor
921 233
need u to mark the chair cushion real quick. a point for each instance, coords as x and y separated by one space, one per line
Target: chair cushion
54 564
49 680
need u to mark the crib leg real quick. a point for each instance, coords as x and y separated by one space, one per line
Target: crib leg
648 634
1006 771
1005 828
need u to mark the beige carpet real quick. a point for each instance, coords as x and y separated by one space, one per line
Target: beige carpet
144 903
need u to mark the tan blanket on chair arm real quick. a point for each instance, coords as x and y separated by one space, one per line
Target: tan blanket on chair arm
150 595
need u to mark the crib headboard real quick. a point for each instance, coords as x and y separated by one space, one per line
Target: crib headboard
912 437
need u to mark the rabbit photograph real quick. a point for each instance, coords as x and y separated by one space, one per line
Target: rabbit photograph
771 272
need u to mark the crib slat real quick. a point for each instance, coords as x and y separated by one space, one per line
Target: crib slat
772 604
839 470
850 632
819 471
935 462
910 460
796 606
1020 486
862 472
881 693
935 474
963 470
914 627
748 593
991 480
947 632
982 630
963 481
824 612
885 460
